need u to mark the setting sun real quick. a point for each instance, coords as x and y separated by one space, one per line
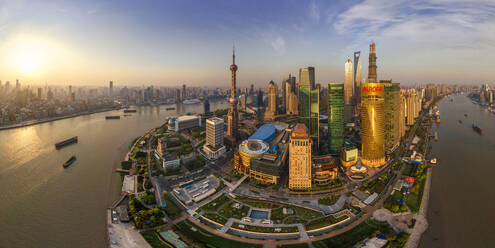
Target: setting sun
30 59
30 54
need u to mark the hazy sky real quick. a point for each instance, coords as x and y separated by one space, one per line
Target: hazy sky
171 42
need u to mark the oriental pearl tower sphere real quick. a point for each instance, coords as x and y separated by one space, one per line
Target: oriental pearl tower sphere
233 115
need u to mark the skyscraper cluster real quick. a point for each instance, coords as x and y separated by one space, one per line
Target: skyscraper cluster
309 101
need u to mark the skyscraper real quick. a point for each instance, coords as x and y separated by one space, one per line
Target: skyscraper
290 95
233 115
259 99
178 97
357 77
372 125
307 78
410 107
392 114
271 110
372 77
110 88
207 107
213 146
299 158
214 132
335 117
402 116
309 101
348 94
348 86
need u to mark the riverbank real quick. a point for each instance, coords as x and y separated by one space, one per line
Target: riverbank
35 122
421 224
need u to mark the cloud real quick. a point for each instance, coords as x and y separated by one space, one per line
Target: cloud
278 44
314 12
454 24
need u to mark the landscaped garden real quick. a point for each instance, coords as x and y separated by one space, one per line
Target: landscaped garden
328 200
324 221
153 238
264 229
172 210
201 238
367 229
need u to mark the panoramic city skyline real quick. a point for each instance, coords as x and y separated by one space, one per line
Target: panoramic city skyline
91 43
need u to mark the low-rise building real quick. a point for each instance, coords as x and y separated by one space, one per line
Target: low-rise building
186 122
349 156
324 170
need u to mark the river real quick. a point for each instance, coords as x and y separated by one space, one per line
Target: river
45 205
460 211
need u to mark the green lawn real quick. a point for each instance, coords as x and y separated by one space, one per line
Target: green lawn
263 229
215 217
230 212
294 220
306 213
413 200
277 215
172 210
348 239
215 204
258 203
202 238
154 240
325 221
328 200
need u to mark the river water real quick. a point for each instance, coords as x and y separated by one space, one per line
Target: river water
44 205
460 211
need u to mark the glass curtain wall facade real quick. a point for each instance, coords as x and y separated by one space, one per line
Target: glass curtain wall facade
335 117
392 114
373 125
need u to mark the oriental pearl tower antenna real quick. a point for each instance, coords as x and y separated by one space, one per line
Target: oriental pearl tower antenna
233 115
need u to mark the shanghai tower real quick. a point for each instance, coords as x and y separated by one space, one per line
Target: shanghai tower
372 65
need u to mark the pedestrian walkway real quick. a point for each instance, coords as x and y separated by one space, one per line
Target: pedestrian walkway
302 232
227 225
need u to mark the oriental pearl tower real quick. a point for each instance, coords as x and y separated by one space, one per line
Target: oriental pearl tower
233 115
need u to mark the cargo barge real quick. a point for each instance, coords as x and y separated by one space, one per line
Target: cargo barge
170 109
69 162
66 142
112 117
477 129
129 111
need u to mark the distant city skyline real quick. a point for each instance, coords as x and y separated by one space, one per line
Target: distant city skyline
155 43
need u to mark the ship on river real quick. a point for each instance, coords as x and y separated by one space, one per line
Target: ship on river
112 117
66 142
130 111
69 162
477 129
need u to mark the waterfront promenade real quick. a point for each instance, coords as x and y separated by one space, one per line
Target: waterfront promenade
421 221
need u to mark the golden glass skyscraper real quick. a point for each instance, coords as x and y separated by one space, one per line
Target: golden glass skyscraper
373 125
348 85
